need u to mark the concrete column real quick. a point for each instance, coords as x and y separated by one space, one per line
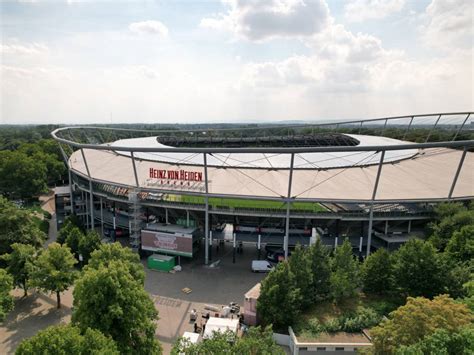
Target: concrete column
187 218
386 227
210 245
360 244
166 216
233 250
335 242
86 204
259 245
369 232
101 218
409 226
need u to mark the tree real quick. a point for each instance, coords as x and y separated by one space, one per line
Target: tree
69 224
451 218
73 239
258 341
6 300
88 243
461 245
54 271
420 317
300 266
21 176
19 264
220 343
443 342
377 273
280 301
108 253
417 269
469 291
344 278
454 275
321 271
17 226
112 300
67 340
255 341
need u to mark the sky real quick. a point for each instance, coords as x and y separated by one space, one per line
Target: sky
233 61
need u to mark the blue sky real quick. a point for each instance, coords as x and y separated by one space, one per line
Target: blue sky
232 61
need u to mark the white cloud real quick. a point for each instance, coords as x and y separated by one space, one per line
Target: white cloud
149 27
260 20
362 10
449 23
18 48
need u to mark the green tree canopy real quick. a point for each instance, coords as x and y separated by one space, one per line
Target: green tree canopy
21 176
6 300
345 277
320 270
420 317
461 245
417 269
451 217
112 300
108 253
73 239
88 243
19 264
300 266
443 342
255 341
68 340
53 270
17 226
69 224
377 272
279 303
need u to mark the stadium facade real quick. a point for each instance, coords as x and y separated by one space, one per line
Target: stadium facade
270 184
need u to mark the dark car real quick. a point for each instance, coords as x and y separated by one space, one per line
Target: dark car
276 256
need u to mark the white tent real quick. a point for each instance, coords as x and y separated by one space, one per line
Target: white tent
220 325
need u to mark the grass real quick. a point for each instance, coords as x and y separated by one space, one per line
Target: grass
327 312
328 309
248 204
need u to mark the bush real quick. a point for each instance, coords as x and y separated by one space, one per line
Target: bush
332 325
384 307
363 318
314 326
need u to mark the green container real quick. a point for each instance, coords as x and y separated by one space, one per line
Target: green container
182 222
161 262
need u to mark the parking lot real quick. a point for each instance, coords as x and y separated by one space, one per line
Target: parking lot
228 282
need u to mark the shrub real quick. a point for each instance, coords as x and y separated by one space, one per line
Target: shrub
314 326
332 325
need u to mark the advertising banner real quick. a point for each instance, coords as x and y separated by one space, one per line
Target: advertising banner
168 243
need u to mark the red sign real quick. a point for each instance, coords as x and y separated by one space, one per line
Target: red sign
182 175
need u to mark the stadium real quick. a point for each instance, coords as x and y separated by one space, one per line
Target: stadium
374 181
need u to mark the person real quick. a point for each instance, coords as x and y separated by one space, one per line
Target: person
193 315
195 328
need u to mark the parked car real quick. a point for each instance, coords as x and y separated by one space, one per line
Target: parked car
277 255
261 266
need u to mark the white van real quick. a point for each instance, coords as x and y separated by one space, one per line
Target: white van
261 266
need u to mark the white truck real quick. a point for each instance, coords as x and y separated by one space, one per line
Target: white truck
261 266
